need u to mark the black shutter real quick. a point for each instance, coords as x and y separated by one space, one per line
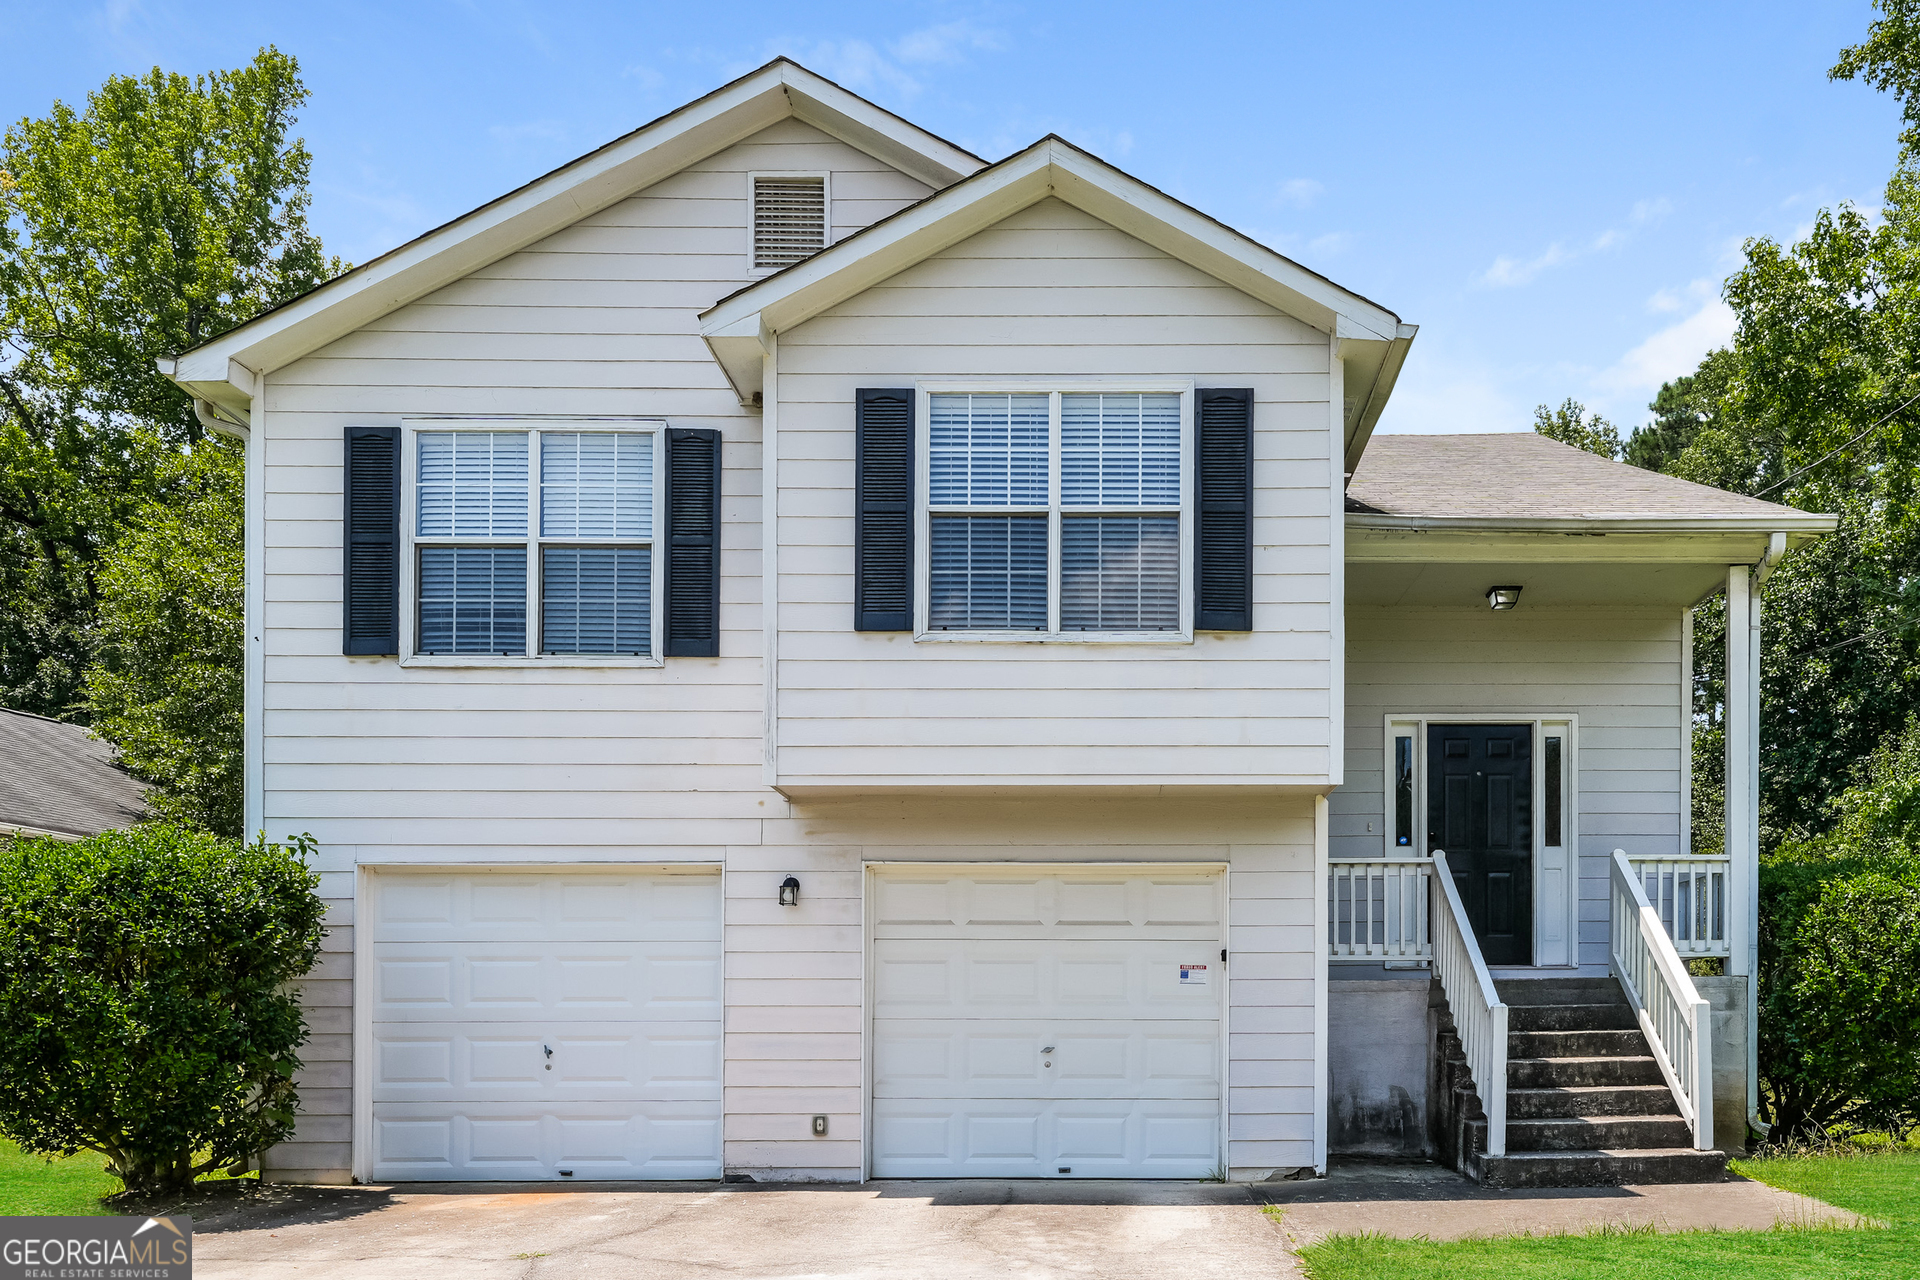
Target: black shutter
692 559
883 510
1223 547
370 589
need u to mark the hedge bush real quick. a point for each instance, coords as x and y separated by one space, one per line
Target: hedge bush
144 1006
1840 960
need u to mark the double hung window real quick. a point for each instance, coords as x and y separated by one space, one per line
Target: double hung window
535 541
1056 513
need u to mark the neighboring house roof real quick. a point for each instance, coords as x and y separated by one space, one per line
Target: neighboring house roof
1520 478
226 369
1373 340
57 778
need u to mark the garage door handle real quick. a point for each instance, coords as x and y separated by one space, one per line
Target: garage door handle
1048 1049
549 1050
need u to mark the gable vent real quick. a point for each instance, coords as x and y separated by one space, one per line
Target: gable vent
789 220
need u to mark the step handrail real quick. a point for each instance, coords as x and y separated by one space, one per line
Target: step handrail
1479 1015
1677 1022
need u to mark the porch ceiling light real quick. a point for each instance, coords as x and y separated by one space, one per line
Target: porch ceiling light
1503 597
790 892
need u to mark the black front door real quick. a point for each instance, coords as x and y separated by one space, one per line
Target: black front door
1480 810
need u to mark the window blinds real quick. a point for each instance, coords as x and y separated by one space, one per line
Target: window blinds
596 600
596 484
1120 573
473 600
988 450
473 484
1120 450
789 220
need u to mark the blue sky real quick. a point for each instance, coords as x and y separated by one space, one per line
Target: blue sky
1553 192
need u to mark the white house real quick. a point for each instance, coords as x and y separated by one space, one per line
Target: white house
810 655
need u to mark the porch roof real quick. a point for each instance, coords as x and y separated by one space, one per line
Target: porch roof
1436 520
1518 475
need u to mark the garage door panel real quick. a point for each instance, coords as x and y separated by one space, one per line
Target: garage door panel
590 981
571 908
1062 978
509 1142
1046 1023
1016 1138
940 1058
477 1061
530 1025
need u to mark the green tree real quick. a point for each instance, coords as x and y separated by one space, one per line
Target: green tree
145 1006
1889 59
166 211
1680 410
167 686
1572 424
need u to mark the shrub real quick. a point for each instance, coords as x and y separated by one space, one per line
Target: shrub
144 1011
1840 959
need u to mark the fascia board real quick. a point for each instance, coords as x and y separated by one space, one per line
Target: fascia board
1048 168
1386 376
1672 540
562 198
1151 216
491 233
880 134
810 287
1600 522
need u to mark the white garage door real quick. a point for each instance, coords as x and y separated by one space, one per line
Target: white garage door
1046 1024
541 1026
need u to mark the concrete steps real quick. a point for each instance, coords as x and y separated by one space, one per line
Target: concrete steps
1587 1105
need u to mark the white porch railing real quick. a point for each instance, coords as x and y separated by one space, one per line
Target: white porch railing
1478 1014
1678 1024
1690 897
1377 907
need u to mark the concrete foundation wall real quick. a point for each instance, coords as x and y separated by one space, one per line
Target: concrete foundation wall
1728 996
1379 1054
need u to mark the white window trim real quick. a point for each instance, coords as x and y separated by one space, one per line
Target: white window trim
411 430
1054 388
826 212
1567 726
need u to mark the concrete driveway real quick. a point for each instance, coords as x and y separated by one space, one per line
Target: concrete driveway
890 1230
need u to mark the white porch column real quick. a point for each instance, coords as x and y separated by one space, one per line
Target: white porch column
1743 799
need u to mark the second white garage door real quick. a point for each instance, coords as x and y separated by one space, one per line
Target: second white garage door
1046 1023
533 1026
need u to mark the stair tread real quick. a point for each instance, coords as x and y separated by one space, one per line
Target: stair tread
1658 1118
1574 1089
1612 1153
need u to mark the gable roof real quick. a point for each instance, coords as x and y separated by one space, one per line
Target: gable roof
1521 478
1372 337
225 370
57 778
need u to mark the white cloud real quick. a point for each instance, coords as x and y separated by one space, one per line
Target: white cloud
1298 193
949 42
1671 352
1508 272
1645 211
1439 394
1330 244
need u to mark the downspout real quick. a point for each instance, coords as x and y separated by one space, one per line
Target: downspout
209 415
1776 550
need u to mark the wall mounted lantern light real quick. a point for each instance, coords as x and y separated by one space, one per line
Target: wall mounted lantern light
1503 597
790 892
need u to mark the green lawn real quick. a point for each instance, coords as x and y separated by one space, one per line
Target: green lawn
30 1185
1883 1186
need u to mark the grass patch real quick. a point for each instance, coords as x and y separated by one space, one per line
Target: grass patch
72 1187
1884 1186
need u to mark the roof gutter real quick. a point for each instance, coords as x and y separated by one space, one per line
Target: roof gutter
1376 403
1807 525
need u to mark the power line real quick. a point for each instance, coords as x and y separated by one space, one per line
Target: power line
1848 445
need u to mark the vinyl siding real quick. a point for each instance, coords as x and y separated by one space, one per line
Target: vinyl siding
1618 668
1052 291
384 764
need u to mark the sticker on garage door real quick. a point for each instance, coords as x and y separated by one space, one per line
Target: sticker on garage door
1193 975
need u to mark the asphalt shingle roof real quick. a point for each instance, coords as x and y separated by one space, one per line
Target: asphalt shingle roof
54 777
1521 475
